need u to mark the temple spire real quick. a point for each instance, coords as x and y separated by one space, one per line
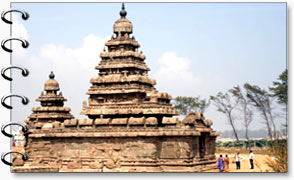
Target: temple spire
123 12
51 75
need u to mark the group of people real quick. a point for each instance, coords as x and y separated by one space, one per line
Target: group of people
224 162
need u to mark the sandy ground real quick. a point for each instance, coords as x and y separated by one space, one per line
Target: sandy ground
259 164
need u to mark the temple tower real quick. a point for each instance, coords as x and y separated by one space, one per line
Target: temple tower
51 109
123 88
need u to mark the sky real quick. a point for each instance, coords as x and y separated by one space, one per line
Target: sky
192 49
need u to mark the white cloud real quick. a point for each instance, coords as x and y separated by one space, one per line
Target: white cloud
73 68
57 55
175 75
18 29
86 55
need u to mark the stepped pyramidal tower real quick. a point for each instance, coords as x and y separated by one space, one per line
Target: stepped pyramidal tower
130 126
51 107
123 88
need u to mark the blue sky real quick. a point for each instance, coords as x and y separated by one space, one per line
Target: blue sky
192 48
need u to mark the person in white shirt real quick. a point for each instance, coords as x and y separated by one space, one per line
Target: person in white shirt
237 160
251 155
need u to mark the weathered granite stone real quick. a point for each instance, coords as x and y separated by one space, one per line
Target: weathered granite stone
18 162
57 163
96 165
75 164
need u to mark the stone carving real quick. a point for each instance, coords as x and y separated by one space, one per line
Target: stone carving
151 121
57 163
119 121
136 121
85 121
75 164
170 120
37 162
102 121
18 161
70 122
57 124
96 165
112 163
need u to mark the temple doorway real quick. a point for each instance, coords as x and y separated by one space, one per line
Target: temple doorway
202 144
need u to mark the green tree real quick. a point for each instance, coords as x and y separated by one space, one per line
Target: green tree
260 99
280 88
190 104
245 109
226 104
280 91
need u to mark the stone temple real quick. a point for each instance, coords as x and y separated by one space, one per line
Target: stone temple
130 126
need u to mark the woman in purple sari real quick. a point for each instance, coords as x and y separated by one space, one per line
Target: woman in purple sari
220 163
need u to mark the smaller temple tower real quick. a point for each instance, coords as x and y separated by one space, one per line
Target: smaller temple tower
51 111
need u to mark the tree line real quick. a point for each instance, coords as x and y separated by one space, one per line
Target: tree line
245 100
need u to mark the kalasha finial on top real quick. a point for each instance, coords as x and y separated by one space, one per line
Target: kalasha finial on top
51 75
123 12
51 84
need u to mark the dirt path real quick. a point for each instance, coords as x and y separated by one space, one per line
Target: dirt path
259 164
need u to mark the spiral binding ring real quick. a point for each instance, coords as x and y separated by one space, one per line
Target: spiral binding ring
24 43
24 157
24 15
24 72
24 100
24 129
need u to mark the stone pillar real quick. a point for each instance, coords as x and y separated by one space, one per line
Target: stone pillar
197 153
207 146
213 146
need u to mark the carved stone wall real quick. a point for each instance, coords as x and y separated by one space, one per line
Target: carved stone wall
111 154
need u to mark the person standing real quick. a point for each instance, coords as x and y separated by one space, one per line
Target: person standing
220 163
226 163
238 159
251 155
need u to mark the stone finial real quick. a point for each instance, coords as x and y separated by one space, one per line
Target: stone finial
51 75
51 84
123 24
123 12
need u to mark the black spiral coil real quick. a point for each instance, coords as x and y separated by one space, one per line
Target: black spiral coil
24 129
24 15
24 43
24 100
24 72
24 157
